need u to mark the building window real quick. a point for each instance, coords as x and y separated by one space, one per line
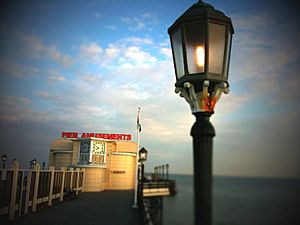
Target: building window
92 151
84 156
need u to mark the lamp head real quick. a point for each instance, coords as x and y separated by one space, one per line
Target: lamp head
4 158
201 45
143 153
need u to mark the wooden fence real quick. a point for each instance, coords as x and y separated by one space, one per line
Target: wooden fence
22 191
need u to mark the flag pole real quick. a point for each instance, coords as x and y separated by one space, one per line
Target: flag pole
138 129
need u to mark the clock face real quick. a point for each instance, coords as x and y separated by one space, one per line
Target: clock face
85 146
98 148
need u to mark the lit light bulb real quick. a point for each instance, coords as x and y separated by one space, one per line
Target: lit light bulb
200 56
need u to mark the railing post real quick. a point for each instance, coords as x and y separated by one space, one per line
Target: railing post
64 169
167 170
15 167
28 187
71 182
36 186
83 180
21 194
77 182
51 168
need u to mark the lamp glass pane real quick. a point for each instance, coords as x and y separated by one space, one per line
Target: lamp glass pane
143 156
178 53
228 50
195 47
216 47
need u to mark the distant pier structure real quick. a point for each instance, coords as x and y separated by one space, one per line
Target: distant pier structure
152 192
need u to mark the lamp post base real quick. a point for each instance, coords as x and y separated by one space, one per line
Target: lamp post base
203 133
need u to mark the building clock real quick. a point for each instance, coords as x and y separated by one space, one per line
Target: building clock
98 148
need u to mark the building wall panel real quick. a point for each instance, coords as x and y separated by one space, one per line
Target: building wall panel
94 179
62 160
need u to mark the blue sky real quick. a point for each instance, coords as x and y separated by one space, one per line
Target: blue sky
87 65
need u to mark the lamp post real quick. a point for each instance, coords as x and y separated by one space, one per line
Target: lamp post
32 163
159 175
4 159
167 171
143 154
201 43
163 171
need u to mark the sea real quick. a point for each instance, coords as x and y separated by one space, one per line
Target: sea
238 201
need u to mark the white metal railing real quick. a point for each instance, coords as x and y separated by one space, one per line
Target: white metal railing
24 190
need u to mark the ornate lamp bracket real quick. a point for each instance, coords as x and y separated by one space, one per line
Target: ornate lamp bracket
203 101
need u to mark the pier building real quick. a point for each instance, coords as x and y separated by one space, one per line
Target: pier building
109 160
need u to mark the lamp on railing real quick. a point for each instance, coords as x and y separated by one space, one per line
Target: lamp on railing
159 172
156 172
32 163
43 165
167 171
4 159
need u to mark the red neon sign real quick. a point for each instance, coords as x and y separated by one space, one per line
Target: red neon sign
125 137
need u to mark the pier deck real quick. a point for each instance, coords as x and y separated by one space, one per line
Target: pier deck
100 208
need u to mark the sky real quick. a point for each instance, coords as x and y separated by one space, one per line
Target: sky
87 66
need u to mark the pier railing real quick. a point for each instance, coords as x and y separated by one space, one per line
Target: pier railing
158 188
152 195
22 191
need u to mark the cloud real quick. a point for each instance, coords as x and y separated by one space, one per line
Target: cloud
31 47
97 15
14 108
18 70
57 56
124 54
137 56
268 69
166 51
43 94
137 41
91 51
56 78
141 22
111 27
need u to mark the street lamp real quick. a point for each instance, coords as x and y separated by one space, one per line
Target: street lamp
159 172
32 163
4 159
167 171
201 43
43 165
143 153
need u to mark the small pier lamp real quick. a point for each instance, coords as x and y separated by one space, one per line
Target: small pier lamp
143 153
4 159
